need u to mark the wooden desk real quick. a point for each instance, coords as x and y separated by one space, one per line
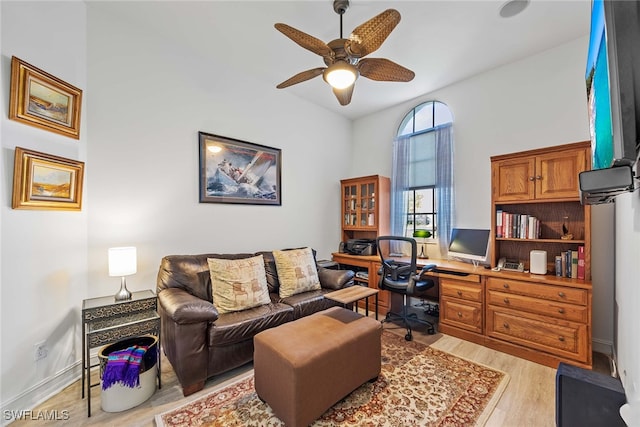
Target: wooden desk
542 318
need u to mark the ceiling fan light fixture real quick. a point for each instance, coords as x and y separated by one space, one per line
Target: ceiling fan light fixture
344 58
340 75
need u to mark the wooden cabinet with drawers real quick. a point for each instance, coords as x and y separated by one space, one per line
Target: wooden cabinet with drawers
539 317
545 319
461 304
552 319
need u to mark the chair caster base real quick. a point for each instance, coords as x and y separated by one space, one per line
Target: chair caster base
408 337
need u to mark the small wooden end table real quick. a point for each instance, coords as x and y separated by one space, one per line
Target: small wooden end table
352 294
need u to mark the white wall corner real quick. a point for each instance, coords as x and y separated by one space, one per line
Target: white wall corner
602 346
19 407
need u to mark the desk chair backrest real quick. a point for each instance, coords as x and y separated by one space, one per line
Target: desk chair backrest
398 256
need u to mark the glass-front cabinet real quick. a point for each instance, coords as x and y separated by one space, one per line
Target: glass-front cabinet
360 205
365 206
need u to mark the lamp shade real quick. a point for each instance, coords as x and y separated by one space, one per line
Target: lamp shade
340 75
422 233
122 261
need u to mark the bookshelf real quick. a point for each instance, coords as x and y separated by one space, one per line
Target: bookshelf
542 184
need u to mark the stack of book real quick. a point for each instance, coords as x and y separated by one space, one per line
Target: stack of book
570 263
516 226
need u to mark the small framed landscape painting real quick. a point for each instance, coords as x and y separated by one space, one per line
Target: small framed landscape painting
47 182
234 171
44 101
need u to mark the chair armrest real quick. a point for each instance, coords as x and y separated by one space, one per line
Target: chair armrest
334 279
415 278
184 308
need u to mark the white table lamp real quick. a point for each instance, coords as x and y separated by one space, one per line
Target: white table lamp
122 262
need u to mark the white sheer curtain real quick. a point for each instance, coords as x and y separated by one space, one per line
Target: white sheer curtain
444 185
399 183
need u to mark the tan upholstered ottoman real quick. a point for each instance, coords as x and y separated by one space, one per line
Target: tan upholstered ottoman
302 368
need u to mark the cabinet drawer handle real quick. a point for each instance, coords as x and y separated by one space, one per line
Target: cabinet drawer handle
506 300
532 178
561 310
561 294
561 339
459 314
506 325
459 293
538 177
506 286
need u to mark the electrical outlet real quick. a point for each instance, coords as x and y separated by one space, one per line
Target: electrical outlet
40 350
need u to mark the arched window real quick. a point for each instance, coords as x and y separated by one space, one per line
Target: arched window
422 178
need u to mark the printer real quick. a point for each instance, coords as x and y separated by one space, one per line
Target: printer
359 247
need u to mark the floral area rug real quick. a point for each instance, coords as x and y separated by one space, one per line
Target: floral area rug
418 386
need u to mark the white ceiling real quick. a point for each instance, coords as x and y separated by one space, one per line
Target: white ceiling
441 41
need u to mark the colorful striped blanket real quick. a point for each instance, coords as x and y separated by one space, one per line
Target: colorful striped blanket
123 366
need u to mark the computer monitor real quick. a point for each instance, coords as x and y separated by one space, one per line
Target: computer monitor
469 245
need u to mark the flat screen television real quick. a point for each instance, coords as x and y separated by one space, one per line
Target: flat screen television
613 83
469 245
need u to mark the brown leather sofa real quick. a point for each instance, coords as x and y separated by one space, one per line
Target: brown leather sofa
198 341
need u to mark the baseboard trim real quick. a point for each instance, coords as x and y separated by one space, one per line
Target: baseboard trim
40 392
602 346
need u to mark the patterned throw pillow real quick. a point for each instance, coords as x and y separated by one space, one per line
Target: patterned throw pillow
297 271
238 284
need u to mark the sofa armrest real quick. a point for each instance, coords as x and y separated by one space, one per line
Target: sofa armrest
335 279
184 308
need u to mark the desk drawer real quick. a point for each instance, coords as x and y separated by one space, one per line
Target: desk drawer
576 313
537 290
562 338
461 314
464 291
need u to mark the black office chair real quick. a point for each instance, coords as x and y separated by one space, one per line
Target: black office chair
399 274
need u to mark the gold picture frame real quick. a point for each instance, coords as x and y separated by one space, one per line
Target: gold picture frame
46 182
39 99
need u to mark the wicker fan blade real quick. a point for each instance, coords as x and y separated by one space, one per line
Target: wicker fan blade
308 42
301 77
368 37
344 95
383 70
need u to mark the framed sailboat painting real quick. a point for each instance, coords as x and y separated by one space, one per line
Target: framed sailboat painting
235 171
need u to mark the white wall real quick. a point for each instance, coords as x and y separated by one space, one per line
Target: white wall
146 108
145 99
44 253
627 215
533 103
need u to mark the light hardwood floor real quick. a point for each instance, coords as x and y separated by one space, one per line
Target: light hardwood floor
528 400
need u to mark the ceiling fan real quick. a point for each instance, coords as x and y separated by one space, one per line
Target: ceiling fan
345 57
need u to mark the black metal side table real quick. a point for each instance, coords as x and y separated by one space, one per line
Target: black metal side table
105 320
